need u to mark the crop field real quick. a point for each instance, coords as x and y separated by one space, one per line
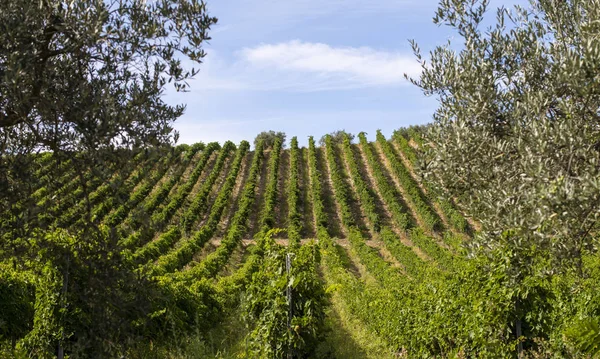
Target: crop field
362 228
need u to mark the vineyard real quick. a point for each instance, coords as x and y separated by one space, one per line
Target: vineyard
476 235
363 233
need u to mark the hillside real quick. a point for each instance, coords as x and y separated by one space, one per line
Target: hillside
200 215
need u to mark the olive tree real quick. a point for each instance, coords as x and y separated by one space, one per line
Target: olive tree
82 82
268 138
337 136
87 76
516 139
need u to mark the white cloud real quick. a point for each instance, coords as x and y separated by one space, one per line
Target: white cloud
345 66
296 66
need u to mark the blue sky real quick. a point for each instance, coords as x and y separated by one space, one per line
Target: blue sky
310 67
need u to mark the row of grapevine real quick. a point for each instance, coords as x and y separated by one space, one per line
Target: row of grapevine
353 292
184 253
123 190
103 192
267 214
231 285
455 218
367 255
44 187
73 202
374 305
165 241
365 193
397 309
409 153
199 202
442 256
49 192
163 191
139 224
281 328
141 192
315 181
413 265
214 261
50 179
156 248
293 194
178 198
389 193
423 209
342 192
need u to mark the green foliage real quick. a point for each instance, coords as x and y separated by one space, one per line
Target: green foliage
267 215
118 215
389 193
586 336
442 256
315 180
268 307
213 262
17 290
157 247
430 219
515 141
84 81
342 192
178 198
113 60
141 219
366 194
82 285
200 200
293 193
413 265
184 253
454 217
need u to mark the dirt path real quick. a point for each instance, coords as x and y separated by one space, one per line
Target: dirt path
216 241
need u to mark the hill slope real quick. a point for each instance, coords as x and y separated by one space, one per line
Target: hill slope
200 215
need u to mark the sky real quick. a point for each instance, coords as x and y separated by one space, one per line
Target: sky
310 67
